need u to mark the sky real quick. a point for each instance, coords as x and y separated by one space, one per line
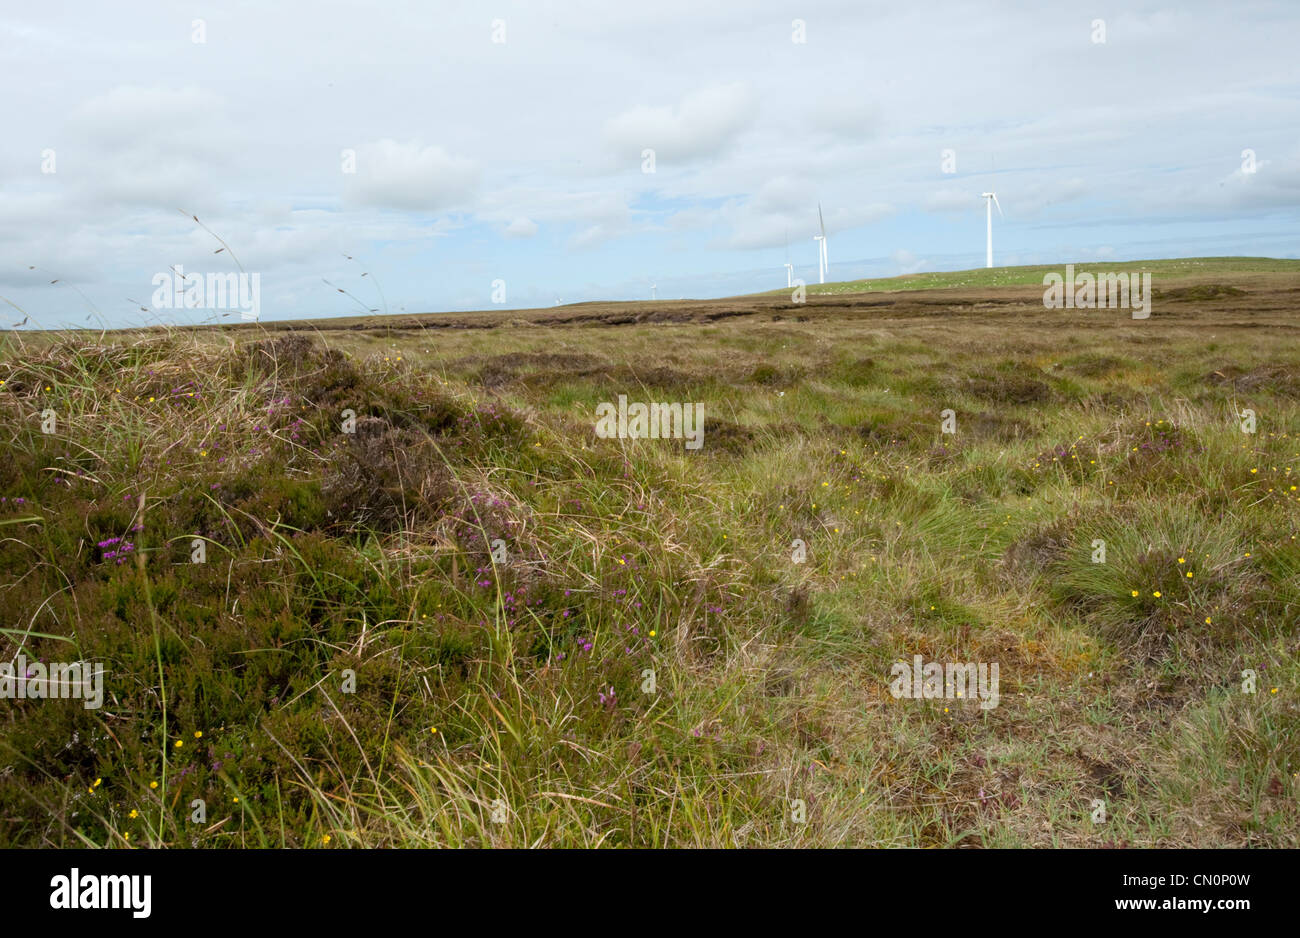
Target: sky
463 155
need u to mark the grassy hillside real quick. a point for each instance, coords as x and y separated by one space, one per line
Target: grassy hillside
984 277
646 664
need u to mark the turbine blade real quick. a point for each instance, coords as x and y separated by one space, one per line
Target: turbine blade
995 202
821 221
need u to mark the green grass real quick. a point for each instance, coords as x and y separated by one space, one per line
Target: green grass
989 277
648 665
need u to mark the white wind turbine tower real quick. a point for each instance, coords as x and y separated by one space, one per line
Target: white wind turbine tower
823 264
789 275
991 199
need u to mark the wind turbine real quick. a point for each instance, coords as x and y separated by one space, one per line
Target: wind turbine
991 200
823 264
654 291
789 275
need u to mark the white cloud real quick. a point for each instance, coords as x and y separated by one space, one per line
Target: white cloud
784 210
953 200
411 177
855 117
703 124
521 227
151 146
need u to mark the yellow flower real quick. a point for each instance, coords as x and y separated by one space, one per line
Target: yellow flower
134 813
198 734
180 743
1135 592
433 729
1181 560
1207 620
97 781
652 633
1189 574
153 784
325 840
1156 594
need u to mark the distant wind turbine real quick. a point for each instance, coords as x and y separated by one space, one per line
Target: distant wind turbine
823 264
991 199
789 275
